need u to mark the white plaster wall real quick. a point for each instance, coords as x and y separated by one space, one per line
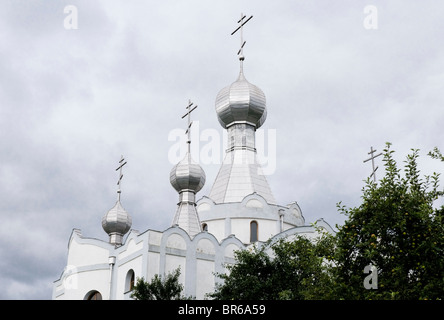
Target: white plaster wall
217 228
267 229
164 253
85 282
88 259
230 249
176 241
205 246
153 266
154 237
204 278
130 248
172 262
122 270
241 229
86 254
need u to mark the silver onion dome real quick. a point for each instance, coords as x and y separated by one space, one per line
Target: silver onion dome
116 223
187 175
241 102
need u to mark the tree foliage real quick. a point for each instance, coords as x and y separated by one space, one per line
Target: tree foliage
280 270
397 229
168 288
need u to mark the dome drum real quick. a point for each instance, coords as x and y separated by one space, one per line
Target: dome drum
187 196
116 238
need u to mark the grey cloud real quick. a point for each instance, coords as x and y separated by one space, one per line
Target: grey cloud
73 101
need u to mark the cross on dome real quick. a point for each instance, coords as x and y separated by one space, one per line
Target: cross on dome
242 22
190 109
117 222
119 182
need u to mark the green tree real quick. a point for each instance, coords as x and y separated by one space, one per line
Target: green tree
293 269
168 288
303 267
398 230
248 279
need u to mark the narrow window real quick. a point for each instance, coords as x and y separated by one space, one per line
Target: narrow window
132 282
204 227
129 280
94 295
253 231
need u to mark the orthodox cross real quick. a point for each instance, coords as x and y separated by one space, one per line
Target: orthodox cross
121 164
242 21
372 157
190 109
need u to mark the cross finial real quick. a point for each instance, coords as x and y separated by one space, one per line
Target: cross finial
119 182
372 157
190 109
242 21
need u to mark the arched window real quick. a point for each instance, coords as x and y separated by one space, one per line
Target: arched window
253 231
93 295
204 227
129 280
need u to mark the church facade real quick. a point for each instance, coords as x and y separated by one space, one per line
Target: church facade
240 211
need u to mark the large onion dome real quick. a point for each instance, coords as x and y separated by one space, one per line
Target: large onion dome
241 102
187 175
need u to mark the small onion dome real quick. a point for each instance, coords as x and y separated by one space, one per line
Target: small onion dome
241 102
117 220
187 175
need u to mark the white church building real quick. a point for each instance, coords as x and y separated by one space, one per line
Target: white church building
239 211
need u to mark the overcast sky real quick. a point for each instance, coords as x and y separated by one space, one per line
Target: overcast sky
72 101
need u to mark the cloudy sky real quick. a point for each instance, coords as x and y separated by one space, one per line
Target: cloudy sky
72 101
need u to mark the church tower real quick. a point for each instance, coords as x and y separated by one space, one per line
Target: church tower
188 178
117 222
241 109
240 202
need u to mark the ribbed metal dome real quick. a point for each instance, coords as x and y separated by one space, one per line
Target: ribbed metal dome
117 220
187 175
241 102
